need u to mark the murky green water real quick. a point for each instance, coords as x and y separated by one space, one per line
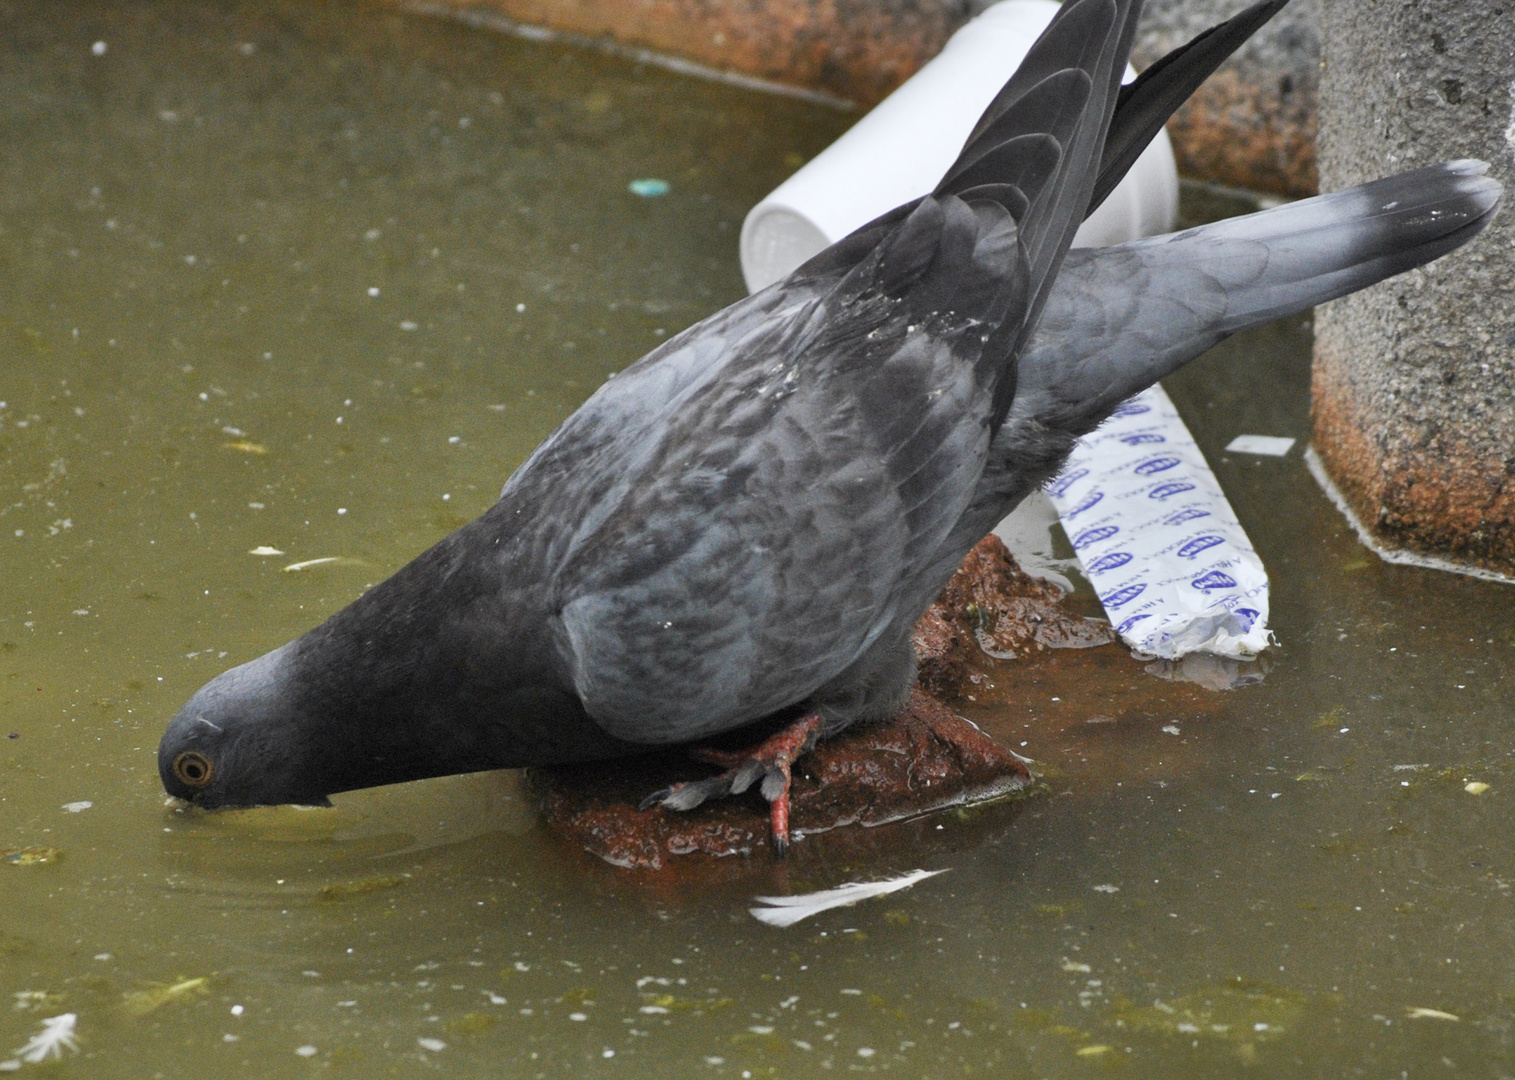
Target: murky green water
316 277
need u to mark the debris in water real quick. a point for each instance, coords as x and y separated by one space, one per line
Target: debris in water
245 446
78 807
649 188
312 562
1262 445
472 1023
325 560
30 1000
434 1045
56 1036
1236 1012
264 549
142 1002
1417 1013
341 890
788 910
30 856
1476 787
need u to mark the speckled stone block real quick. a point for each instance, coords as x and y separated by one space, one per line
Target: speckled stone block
1414 379
853 50
1252 124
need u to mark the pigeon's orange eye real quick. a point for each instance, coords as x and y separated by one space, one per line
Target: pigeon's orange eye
193 768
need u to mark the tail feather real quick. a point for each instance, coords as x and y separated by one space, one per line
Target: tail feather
1145 105
1123 317
1065 91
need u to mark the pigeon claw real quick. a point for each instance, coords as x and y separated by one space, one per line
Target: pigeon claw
771 761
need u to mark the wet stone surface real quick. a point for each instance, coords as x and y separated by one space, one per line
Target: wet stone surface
992 606
926 759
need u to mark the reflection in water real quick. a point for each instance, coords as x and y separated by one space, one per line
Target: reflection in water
314 278
1212 672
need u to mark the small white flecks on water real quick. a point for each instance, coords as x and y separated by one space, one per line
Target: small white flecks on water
434 1045
99 48
306 1051
264 549
1421 1013
1107 888
409 324
78 807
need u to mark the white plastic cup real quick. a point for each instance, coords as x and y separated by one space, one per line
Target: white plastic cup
900 150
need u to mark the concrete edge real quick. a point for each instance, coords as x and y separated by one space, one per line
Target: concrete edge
1397 556
491 20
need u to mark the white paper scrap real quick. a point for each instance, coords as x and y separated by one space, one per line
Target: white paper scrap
1265 445
788 910
1157 538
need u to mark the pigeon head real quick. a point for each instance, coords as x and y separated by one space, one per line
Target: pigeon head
241 741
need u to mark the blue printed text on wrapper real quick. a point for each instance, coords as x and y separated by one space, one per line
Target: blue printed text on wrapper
1158 539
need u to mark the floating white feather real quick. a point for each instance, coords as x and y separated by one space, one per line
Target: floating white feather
56 1036
788 910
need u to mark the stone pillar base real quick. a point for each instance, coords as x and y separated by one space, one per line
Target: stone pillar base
1399 556
1414 379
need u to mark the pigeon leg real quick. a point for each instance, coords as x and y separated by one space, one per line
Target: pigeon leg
772 760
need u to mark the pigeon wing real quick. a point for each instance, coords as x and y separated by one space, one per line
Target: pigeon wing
752 505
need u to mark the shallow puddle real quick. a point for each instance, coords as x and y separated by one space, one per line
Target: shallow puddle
286 291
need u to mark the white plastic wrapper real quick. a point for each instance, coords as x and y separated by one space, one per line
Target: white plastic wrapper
1158 539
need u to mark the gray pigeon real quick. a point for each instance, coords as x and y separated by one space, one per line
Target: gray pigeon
741 529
